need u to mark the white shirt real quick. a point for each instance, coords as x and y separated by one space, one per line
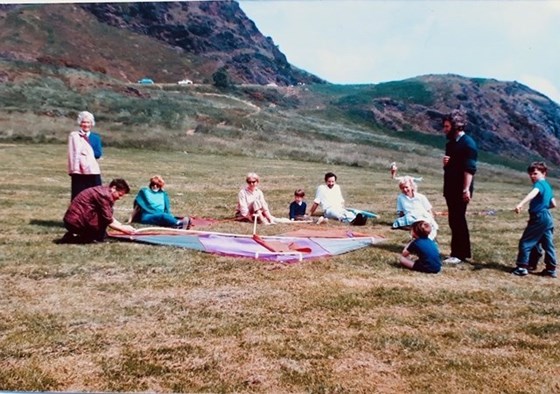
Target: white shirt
329 198
418 205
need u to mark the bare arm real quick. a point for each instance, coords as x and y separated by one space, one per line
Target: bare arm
405 251
123 228
313 208
532 194
467 181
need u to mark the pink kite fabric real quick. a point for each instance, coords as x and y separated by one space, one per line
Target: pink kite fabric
280 248
277 246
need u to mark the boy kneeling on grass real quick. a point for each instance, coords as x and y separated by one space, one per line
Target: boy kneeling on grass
540 227
429 260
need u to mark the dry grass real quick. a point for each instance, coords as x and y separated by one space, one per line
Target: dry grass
131 317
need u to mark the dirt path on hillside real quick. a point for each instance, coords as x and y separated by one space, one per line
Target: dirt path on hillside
256 108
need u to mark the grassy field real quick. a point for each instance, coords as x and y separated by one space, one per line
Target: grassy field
132 317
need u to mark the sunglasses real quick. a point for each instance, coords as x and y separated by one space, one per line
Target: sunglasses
251 182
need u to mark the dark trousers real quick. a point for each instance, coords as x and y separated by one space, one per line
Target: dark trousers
86 234
460 237
538 233
82 182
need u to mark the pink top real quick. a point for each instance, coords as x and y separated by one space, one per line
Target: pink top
81 159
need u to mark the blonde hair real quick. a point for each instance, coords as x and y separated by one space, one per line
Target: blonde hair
158 181
252 175
408 180
85 115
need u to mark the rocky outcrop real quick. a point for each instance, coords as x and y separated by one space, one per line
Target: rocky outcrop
167 41
505 118
215 30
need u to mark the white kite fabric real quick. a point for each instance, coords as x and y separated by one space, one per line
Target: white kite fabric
291 247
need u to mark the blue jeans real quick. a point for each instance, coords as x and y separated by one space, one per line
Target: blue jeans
538 233
159 219
340 214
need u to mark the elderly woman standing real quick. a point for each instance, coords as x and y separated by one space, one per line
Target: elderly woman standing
413 206
82 165
250 202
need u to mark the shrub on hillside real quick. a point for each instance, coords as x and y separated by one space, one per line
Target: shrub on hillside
221 78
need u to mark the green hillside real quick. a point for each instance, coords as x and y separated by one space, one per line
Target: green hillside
58 59
312 123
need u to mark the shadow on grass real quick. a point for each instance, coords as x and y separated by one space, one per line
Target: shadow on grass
491 266
476 266
47 223
390 247
384 222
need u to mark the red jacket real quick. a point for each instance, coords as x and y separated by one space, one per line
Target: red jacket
91 210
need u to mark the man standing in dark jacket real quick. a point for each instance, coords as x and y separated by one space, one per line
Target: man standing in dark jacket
459 166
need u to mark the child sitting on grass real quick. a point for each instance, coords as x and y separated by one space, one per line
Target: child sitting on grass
298 209
540 227
429 260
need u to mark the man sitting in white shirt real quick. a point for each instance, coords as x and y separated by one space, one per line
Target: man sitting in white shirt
329 196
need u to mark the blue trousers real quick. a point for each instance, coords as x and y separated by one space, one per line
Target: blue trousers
159 219
538 233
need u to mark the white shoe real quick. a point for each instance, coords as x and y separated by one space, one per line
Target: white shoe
320 220
452 260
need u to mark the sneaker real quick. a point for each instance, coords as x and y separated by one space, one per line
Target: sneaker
549 273
532 267
520 271
452 260
359 220
320 220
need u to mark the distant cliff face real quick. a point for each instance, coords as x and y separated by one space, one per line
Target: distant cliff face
218 31
505 118
166 41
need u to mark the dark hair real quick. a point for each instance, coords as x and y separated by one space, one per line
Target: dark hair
457 118
330 175
422 229
299 193
120 184
537 165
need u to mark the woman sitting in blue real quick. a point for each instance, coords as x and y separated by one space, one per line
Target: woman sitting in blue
152 206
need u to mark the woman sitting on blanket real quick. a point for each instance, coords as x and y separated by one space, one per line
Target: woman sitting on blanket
152 206
251 202
413 206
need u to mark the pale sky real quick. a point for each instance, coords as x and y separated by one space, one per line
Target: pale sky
349 41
